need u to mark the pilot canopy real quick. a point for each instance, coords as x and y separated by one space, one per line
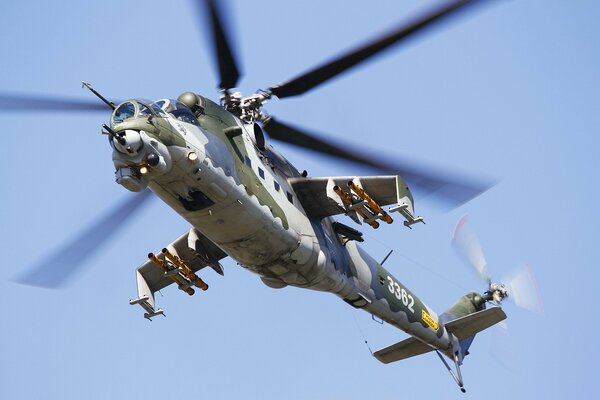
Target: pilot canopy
177 110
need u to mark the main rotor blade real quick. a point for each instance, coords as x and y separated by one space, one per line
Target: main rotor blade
57 268
14 102
452 191
228 69
315 77
467 246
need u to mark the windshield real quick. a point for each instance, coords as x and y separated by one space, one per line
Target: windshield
123 112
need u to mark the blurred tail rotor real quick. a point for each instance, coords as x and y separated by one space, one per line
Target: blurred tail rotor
467 246
519 287
524 293
523 289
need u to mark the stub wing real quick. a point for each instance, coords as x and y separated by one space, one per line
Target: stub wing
176 263
359 197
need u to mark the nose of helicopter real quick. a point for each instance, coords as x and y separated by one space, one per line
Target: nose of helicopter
128 141
138 158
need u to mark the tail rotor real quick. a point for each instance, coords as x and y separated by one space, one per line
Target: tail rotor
467 246
520 286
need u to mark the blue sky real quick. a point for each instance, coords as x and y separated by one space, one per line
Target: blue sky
509 92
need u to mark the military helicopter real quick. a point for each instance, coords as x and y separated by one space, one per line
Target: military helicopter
213 164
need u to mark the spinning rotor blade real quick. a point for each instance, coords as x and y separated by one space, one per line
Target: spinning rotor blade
522 292
228 70
467 246
523 289
521 284
451 190
56 269
317 76
502 347
12 102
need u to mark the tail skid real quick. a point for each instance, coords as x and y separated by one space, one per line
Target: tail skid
458 376
464 329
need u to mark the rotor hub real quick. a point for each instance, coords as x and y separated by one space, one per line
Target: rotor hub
496 292
248 109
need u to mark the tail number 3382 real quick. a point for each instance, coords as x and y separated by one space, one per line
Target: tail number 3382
401 294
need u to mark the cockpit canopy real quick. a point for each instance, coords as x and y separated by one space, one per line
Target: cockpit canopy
134 109
141 108
178 110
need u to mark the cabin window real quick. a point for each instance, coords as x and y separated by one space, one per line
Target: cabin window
248 161
290 197
276 185
261 173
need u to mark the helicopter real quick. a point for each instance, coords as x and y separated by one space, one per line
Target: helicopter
214 165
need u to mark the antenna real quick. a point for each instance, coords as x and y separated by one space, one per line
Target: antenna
386 257
89 86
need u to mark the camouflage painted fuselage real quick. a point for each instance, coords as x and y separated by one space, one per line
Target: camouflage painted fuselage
235 191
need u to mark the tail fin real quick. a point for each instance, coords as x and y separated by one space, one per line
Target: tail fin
465 328
469 306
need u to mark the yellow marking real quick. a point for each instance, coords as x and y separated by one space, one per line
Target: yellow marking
429 321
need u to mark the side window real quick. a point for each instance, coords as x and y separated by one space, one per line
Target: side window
248 161
290 197
261 172
276 185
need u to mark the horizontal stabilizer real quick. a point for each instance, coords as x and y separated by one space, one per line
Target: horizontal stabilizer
407 348
462 328
471 324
